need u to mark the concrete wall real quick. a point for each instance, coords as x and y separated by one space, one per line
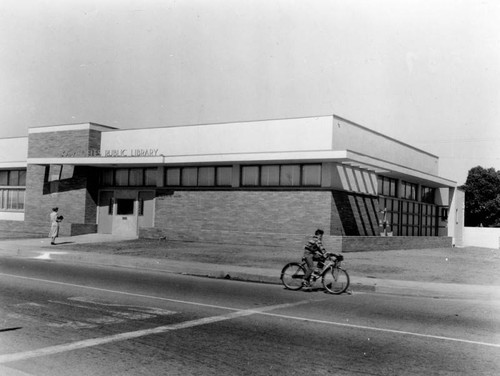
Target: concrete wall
488 237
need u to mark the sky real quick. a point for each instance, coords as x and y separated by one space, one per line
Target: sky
425 72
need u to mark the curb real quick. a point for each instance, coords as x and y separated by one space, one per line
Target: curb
259 275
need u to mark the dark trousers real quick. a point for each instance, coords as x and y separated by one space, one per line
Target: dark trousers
309 258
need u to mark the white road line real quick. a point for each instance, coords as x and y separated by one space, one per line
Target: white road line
382 329
237 313
51 350
120 292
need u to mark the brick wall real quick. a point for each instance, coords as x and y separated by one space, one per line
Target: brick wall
75 193
384 243
289 212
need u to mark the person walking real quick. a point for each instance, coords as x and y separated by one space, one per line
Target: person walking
54 225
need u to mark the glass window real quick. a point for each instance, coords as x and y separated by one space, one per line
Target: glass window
173 176
392 189
206 176
150 176
136 177
290 175
190 176
270 175
4 177
121 177
110 205
4 199
54 172
428 195
140 209
124 206
20 201
107 177
387 186
250 176
224 176
14 177
12 199
311 175
22 177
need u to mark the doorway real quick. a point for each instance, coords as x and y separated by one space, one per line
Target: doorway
122 212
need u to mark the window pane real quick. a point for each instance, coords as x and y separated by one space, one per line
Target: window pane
125 206
173 176
110 205
150 176
311 175
121 176
4 177
55 172
190 176
206 176
392 191
386 191
224 176
14 177
270 175
22 177
380 185
12 199
140 209
290 175
20 203
250 175
107 177
136 177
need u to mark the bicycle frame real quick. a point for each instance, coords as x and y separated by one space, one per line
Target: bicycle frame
329 262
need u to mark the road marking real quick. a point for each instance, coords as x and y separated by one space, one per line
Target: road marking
238 313
382 329
120 292
51 350
46 255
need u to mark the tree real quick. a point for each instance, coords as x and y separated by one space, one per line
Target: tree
482 197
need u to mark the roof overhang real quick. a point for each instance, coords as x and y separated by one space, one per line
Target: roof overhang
345 157
11 165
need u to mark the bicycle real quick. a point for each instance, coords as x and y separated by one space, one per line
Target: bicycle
334 278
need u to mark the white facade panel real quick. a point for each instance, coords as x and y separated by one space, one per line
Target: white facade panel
13 150
291 135
11 216
350 136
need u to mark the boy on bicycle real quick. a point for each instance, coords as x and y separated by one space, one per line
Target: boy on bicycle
313 250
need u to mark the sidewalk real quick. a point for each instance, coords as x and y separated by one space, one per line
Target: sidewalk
440 273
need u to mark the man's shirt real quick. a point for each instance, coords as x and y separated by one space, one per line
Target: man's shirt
315 245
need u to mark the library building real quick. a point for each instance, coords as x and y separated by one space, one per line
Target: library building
257 182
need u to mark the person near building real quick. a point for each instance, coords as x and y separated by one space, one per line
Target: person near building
55 219
313 251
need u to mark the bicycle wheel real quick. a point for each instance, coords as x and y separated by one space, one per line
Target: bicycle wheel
292 275
335 280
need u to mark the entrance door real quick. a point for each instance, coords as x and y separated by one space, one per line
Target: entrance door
105 213
125 219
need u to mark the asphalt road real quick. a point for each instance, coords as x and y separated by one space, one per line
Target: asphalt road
62 319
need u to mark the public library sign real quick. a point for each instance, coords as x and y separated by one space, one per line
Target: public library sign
110 153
